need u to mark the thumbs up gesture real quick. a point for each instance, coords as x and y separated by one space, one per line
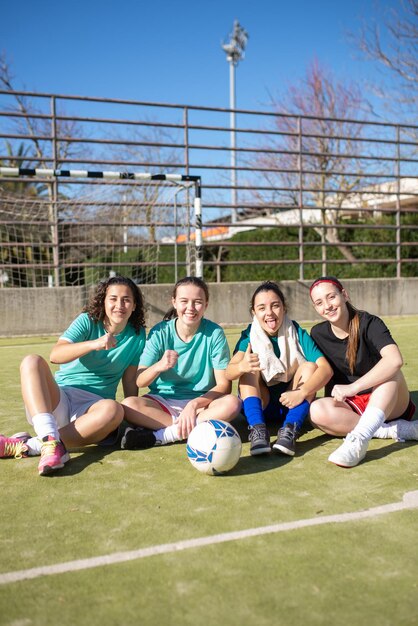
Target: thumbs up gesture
250 361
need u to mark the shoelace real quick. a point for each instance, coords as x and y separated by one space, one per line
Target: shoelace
354 440
48 447
286 433
256 434
15 448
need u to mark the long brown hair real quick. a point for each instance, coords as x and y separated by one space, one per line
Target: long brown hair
96 308
188 280
353 321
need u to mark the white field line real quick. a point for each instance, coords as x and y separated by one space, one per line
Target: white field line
409 501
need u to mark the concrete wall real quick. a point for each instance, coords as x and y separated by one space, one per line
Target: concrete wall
49 311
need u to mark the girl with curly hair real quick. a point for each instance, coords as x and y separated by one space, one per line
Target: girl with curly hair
77 406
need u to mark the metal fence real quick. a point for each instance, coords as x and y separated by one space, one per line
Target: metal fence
306 195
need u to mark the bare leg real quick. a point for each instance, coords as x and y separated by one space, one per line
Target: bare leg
303 373
392 397
225 408
337 418
145 412
252 385
101 419
333 418
40 392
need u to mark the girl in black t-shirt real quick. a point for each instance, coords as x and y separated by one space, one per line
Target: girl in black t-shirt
367 389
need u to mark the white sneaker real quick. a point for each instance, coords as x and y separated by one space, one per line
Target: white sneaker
351 451
406 431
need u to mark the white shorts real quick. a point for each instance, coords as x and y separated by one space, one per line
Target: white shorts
73 403
170 405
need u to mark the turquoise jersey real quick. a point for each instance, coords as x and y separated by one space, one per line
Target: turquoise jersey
193 374
100 371
308 347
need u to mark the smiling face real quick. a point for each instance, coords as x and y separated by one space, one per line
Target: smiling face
190 304
269 310
119 304
330 303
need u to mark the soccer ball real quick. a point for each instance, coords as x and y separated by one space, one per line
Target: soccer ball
214 447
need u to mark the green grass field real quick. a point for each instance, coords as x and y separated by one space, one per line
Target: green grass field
105 502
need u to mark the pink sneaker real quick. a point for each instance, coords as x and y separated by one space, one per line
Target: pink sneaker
53 456
14 446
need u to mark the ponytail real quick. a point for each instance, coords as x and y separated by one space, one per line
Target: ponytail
353 336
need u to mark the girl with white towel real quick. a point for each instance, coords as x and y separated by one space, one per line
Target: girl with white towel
280 368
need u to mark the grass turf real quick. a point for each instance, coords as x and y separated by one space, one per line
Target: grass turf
112 501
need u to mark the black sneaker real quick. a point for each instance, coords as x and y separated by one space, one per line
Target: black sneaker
259 439
137 439
286 439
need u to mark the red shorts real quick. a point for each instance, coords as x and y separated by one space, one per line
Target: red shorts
359 405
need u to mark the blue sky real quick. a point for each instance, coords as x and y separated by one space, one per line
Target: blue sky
170 51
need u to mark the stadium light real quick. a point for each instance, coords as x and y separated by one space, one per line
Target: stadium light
234 53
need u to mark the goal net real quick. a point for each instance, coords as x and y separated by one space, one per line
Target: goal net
97 224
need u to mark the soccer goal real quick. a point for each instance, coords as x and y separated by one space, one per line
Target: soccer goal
95 224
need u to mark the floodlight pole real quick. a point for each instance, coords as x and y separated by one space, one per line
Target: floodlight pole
234 53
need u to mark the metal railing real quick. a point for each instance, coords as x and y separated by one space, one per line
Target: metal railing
311 194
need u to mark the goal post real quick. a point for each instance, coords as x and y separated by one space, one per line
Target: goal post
137 213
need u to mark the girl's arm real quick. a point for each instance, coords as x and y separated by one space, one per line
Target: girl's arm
384 370
129 382
146 375
65 351
308 389
242 363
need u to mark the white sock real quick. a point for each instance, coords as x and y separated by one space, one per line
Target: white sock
34 446
369 422
45 424
385 431
167 435
400 430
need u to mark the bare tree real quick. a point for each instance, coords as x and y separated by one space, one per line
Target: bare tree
317 147
394 47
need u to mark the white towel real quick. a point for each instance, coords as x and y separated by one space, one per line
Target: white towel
277 370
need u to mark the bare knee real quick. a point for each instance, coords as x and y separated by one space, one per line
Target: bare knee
112 412
303 373
32 363
318 413
232 406
133 402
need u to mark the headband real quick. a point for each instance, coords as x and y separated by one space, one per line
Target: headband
333 281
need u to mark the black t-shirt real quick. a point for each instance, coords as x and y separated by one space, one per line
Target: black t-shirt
373 336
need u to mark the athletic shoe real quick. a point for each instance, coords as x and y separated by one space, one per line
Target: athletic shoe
406 431
14 446
351 451
286 439
138 439
259 439
53 456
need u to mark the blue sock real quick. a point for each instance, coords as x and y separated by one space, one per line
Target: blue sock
297 414
253 410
